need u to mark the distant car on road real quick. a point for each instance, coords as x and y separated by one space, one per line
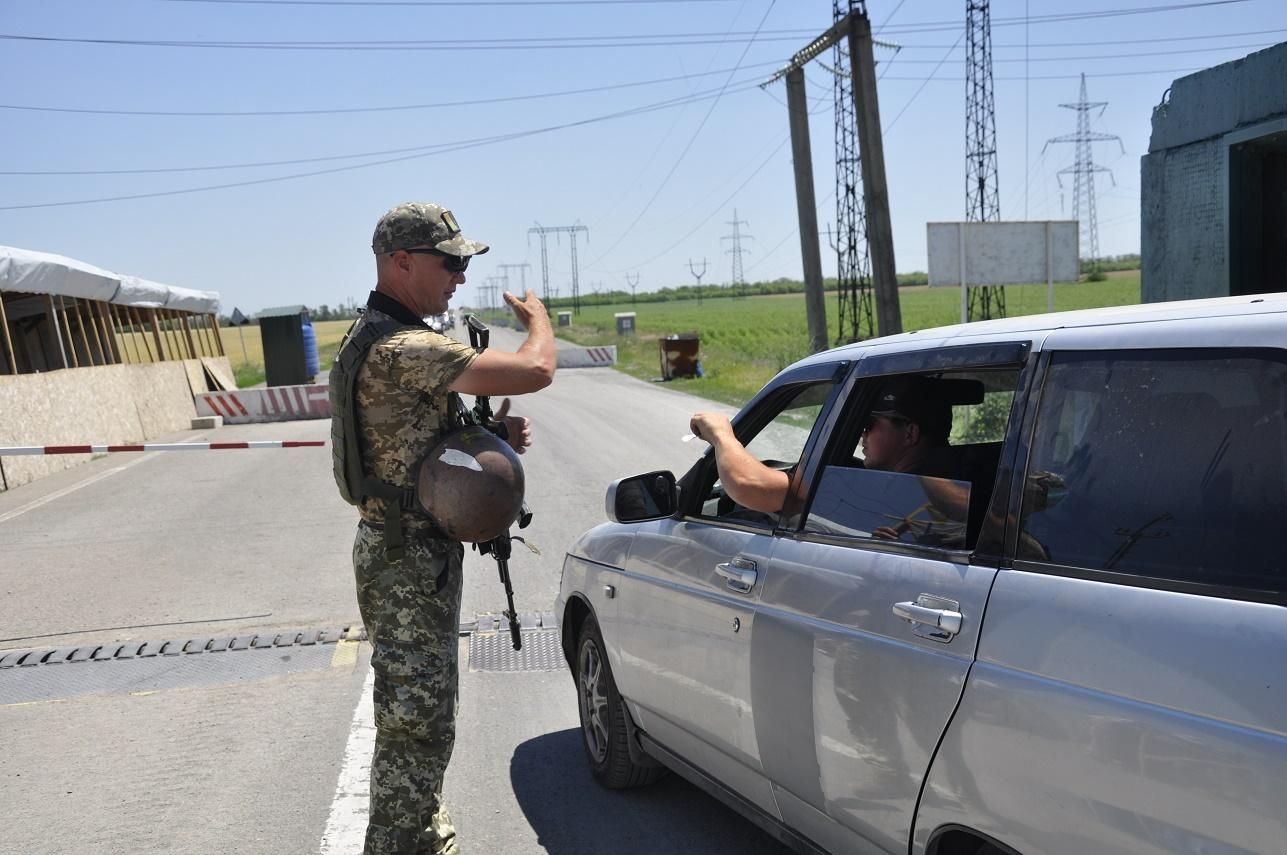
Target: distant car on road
1074 644
441 323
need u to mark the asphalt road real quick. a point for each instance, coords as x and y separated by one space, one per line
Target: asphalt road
260 750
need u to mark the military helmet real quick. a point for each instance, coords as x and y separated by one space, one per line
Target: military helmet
471 484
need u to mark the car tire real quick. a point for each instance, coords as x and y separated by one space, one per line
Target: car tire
604 732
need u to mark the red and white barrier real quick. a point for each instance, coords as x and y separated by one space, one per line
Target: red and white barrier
270 404
588 357
20 450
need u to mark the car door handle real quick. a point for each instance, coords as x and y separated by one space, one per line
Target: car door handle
740 573
944 619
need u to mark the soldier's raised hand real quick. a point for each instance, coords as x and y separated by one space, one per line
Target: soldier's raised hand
527 309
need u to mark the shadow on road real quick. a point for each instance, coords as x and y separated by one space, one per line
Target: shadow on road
573 815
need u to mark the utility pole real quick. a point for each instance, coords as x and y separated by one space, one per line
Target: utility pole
982 202
1084 169
633 283
545 267
522 274
873 224
698 277
739 281
815 304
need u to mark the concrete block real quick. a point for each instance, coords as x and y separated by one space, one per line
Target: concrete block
207 422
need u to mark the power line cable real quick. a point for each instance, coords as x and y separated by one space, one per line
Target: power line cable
585 41
687 148
1098 42
412 156
466 102
432 3
454 144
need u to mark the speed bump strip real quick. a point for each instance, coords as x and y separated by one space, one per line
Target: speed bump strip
117 651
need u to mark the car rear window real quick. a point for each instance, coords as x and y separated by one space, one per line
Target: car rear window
1168 465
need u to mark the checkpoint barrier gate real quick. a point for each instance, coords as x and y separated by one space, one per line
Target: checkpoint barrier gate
588 357
270 404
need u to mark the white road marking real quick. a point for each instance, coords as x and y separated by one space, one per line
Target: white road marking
58 494
346 827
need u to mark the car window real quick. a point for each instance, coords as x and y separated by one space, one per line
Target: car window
942 501
1169 465
779 443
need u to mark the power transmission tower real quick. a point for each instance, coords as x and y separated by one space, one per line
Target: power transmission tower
1084 169
522 275
739 281
633 283
489 291
982 203
698 277
545 266
545 260
866 233
853 253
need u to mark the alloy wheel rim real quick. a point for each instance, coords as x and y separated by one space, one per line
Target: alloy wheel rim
594 702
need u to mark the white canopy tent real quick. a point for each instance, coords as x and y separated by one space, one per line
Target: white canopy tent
110 313
45 273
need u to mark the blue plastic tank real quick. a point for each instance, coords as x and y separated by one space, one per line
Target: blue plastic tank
311 363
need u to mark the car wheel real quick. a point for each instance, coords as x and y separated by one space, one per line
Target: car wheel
603 716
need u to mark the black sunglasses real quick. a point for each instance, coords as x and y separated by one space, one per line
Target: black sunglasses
453 263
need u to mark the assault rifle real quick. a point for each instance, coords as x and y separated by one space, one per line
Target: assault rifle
498 547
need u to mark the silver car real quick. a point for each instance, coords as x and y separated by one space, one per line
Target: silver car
1086 655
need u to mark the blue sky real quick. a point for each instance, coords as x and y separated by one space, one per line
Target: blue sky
655 188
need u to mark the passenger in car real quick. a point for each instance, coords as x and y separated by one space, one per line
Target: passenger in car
907 432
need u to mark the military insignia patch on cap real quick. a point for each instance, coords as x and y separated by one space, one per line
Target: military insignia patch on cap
449 220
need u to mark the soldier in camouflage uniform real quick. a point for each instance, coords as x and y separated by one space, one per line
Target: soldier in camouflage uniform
403 398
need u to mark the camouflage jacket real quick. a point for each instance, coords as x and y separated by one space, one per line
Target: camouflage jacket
403 405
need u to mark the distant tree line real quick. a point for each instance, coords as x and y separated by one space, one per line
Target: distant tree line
325 312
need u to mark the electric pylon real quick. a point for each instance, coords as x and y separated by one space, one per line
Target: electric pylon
737 237
545 265
1084 169
698 277
982 203
853 255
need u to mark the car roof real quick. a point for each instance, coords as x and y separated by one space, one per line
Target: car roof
1005 328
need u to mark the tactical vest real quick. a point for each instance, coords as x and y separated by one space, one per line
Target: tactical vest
346 440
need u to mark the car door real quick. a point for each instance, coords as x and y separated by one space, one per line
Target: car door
853 677
685 611
1129 695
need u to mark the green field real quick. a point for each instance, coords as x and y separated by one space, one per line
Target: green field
746 341
249 367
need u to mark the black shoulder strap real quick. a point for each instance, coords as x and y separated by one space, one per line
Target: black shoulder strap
346 446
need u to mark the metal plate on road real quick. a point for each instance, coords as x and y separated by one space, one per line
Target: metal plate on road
493 651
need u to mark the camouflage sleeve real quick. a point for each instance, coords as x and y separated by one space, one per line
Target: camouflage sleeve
429 362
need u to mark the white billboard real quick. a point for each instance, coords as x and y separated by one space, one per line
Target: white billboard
1003 253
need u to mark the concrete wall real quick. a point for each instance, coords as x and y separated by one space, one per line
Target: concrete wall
1184 178
105 404
1182 223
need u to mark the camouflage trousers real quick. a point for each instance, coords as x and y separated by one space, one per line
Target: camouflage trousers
411 610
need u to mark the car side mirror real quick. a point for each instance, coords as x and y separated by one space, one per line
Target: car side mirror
653 496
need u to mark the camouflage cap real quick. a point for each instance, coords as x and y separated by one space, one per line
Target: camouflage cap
416 224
